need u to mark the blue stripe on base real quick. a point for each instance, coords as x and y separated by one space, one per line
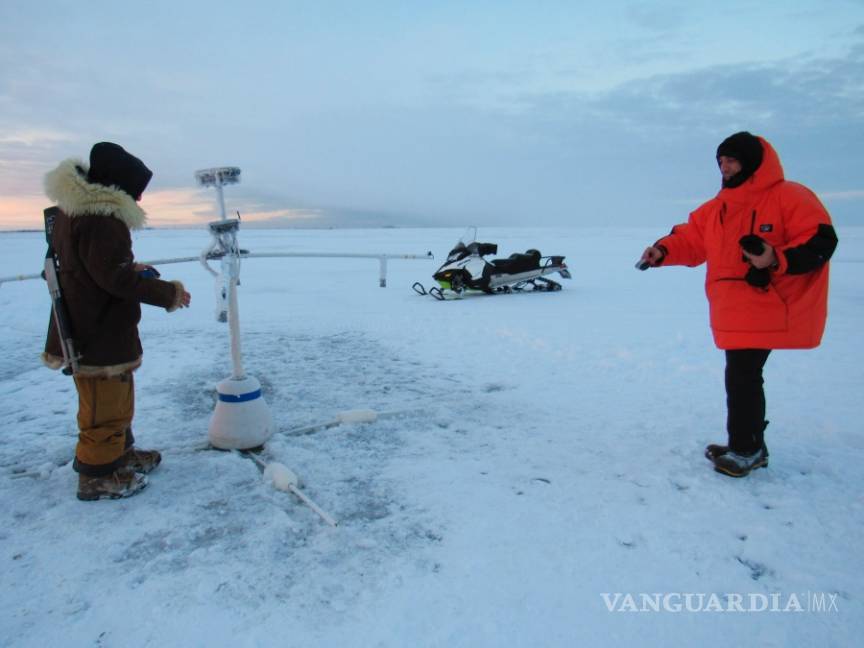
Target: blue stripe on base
239 398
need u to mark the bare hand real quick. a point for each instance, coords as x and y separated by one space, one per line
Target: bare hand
764 260
652 256
185 300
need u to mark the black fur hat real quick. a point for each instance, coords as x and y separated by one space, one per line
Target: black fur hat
747 149
112 166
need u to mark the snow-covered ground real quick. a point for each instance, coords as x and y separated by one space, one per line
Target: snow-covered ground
547 467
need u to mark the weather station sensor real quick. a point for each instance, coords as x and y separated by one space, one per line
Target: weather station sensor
218 177
241 419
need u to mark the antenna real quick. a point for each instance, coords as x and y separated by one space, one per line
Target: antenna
218 177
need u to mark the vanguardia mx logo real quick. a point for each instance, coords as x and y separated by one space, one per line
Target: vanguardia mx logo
812 602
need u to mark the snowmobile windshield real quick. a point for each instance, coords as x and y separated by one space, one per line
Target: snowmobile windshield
472 249
463 248
469 236
459 252
468 245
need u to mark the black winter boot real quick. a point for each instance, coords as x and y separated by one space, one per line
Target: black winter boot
713 450
739 465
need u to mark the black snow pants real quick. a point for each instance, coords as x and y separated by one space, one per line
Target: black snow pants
745 399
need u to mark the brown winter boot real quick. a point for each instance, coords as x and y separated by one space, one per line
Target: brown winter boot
141 461
123 482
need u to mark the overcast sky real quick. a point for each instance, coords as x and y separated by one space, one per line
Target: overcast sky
423 113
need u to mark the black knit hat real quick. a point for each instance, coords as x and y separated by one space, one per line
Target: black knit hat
112 166
747 149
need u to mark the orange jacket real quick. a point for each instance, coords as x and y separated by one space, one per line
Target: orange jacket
790 312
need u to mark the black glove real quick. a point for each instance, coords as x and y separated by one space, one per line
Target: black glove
753 244
758 277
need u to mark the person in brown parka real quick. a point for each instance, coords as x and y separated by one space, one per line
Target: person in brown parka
103 289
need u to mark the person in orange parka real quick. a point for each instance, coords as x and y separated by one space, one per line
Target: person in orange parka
766 242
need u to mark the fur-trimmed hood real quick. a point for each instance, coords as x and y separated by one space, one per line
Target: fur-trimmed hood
67 185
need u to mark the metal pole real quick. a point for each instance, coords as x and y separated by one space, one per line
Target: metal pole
382 276
234 327
264 255
220 199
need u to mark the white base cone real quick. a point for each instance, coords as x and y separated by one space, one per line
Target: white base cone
242 419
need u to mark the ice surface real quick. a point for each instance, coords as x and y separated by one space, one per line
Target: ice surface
357 416
550 452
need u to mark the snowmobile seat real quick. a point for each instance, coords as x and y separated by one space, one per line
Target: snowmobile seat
529 260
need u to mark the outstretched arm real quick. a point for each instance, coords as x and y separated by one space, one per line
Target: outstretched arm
684 245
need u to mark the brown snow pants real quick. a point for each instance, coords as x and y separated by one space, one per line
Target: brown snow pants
105 410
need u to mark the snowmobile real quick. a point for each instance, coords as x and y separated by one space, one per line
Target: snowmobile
466 269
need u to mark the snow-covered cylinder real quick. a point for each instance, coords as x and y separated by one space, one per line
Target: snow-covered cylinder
241 419
281 476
